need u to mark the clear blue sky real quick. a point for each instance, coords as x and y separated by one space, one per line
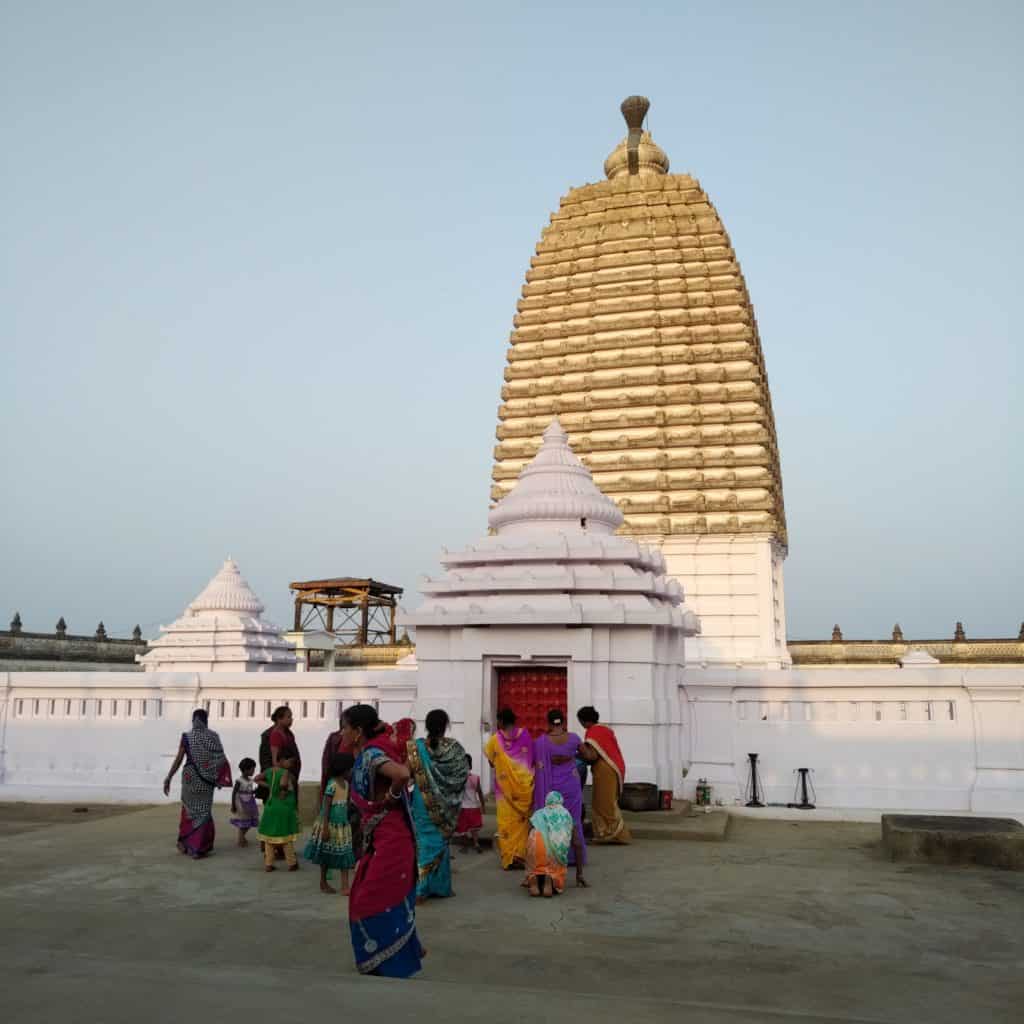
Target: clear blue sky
260 263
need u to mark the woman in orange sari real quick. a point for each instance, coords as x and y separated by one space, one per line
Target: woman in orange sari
553 834
601 749
510 752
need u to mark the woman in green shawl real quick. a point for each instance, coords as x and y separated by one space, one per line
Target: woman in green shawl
439 770
553 832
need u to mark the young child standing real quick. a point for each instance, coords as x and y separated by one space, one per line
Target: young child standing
244 812
330 845
471 816
279 826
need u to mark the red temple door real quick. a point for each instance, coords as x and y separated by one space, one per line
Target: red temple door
531 693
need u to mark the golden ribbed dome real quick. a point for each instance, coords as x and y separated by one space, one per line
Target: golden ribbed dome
635 328
652 158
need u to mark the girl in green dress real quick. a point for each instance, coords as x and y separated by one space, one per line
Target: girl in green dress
330 845
279 826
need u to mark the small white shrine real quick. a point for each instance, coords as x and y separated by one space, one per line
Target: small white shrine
221 631
556 599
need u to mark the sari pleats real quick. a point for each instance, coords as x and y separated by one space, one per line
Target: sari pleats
381 908
433 855
604 811
514 794
539 862
195 839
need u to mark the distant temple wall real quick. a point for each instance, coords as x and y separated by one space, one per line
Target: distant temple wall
941 738
53 652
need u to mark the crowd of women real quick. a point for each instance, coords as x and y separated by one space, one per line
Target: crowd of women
408 798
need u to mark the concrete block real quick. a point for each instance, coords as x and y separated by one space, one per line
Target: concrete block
937 839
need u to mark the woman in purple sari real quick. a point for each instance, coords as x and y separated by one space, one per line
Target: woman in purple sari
554 756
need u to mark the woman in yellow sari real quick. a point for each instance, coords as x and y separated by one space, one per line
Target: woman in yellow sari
510 752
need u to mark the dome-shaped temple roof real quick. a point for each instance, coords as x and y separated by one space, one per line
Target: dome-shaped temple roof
555 490
221 630
227 591
543 566
636 329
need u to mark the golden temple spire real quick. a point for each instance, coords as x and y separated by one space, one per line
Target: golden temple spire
637 153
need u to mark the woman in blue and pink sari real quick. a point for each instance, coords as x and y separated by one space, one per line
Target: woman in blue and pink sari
206 769
554 756
382 903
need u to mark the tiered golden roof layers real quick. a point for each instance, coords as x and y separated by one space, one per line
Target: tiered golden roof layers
636 329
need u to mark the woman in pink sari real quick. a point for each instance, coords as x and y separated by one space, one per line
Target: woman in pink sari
510 752
382 903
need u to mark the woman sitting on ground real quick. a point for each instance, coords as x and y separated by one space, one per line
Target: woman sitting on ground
553 834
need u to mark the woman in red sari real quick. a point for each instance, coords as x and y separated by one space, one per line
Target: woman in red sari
601 750
405 731
382 904
282 742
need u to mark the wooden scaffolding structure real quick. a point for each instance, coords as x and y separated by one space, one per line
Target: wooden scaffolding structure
356 612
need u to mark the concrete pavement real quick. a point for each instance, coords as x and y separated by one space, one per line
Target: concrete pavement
782 921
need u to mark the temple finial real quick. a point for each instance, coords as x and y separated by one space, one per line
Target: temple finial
634 110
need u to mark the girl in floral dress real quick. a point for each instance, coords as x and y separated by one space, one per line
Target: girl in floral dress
330 844
244 812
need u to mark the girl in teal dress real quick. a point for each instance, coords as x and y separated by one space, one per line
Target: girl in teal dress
330 844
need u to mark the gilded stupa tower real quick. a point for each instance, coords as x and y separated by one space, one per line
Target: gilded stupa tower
636 329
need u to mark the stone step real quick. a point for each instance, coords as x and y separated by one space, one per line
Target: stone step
708 828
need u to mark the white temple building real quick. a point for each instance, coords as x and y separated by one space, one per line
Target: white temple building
554 610
221 631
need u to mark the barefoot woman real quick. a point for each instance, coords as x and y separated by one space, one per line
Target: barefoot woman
438 766
382 905
510 752
206 769
553 835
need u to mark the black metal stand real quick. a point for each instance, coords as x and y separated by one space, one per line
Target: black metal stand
804 790
755 791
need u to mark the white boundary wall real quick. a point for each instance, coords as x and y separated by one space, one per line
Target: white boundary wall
112 736
928 739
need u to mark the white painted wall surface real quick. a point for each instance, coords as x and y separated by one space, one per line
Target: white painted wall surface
935 739
734 583
112 736
938 739
629 673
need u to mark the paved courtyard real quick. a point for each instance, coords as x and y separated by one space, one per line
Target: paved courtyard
105 922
